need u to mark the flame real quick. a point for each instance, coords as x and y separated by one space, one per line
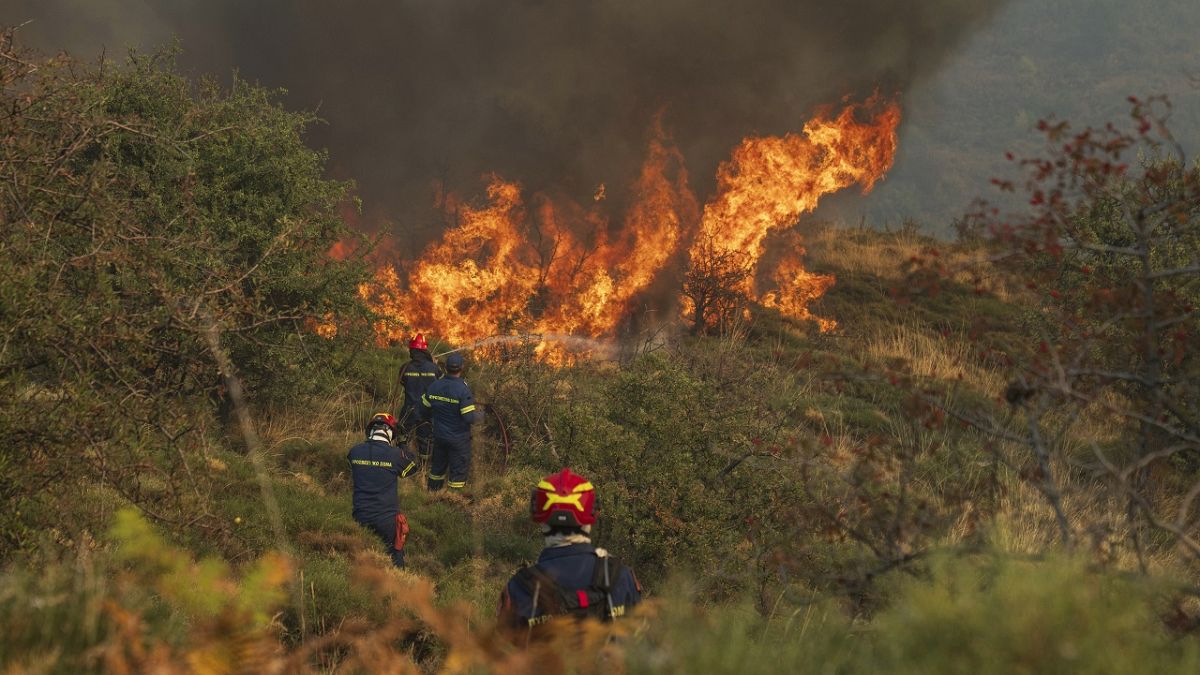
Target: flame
325 326
536 265
769 182
798 288
340 250
551 268
664 208
473 279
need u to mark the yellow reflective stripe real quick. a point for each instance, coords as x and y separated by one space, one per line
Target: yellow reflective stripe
444 399
546 486
433 477
573 500
408 469
456 484
425 401
468 409
583 487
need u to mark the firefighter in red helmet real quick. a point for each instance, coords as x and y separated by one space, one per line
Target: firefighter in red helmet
417 375
571 577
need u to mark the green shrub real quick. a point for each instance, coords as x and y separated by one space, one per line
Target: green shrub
999 616
142 210
982 615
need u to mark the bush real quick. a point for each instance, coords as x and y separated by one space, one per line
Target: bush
996 615
141 212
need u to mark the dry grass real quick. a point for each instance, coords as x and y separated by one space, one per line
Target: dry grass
864 253
861 254
934 357
338 417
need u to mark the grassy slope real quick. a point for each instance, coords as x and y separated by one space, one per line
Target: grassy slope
469 549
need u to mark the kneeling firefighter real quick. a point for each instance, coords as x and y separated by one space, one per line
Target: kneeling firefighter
376 466
571 577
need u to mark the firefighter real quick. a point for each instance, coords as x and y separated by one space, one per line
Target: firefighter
417 375
571 577
376 466
448 403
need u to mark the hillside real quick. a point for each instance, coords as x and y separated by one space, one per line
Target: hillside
771 488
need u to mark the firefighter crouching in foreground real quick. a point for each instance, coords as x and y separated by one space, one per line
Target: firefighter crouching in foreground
571 577
416 376
449 404
376 466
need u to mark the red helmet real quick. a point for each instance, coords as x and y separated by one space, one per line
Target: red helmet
564 499
383 419
418 342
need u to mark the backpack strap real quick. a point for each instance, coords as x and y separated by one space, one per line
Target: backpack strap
607 570
605 573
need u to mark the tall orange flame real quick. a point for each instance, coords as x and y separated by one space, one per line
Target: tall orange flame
539 265
769 182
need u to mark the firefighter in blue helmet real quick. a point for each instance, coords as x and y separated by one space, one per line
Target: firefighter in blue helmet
376 466
448 403
571 578
416 376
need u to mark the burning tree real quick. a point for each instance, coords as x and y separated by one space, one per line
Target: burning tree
714 287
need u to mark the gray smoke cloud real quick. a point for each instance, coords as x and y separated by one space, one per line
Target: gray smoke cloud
558 94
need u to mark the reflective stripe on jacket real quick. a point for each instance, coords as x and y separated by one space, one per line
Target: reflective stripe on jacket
375 467
451 406
417 375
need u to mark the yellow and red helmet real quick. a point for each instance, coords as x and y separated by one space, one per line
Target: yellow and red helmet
382 419
563 499
418 342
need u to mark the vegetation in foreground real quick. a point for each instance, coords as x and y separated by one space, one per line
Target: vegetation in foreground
987 468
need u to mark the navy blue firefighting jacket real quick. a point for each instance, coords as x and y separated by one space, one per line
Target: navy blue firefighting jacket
572 568
449 403
375 467
417 375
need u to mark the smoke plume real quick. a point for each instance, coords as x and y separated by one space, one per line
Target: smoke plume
557 94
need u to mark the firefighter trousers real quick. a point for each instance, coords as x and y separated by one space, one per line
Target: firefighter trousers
450 464
422 434
388 529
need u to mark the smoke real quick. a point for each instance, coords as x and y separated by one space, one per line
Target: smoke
558 94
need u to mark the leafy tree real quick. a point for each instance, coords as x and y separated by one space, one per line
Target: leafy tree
1110 386
141 210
